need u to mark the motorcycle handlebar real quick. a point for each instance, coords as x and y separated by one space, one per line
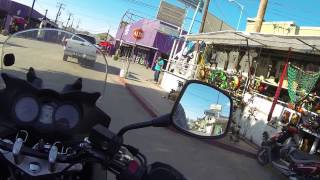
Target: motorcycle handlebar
88 155
30 152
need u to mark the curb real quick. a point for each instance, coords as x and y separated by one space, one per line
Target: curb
139 98
153 113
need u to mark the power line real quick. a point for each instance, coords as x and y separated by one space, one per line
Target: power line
61 6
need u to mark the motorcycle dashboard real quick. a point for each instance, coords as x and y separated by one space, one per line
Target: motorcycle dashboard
47 111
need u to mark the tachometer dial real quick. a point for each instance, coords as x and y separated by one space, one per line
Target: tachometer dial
26 109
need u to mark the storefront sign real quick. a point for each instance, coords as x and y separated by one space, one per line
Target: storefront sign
168 30
171 14
138 33
216 107
127 29
193 3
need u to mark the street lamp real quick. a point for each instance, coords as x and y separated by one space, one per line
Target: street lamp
241 7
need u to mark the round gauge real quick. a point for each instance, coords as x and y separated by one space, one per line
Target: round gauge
46 114
26 109
67 115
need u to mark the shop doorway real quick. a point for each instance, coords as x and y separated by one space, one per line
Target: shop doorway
125 51
142 56
3 15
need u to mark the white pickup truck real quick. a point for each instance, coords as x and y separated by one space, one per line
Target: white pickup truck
83 49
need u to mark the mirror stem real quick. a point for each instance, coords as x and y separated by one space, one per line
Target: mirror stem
162 121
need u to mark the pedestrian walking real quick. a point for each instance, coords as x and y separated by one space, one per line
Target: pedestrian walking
158 68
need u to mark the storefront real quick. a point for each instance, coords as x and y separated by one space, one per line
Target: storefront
251 68
143 41
15 16
3 13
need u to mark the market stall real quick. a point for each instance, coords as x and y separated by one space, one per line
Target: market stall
267 75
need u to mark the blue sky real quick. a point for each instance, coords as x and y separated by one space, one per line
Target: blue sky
100 15
198 98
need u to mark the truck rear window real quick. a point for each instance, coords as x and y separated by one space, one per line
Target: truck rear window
90 39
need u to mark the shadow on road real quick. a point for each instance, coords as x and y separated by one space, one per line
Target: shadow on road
12 44
159 144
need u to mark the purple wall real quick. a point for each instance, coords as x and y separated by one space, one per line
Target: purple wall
163 42
149 33
152 38
4 4
14 7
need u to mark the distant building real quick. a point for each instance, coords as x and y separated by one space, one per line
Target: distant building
283 28
213 24
14 17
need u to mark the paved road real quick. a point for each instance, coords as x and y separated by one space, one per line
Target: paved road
193 158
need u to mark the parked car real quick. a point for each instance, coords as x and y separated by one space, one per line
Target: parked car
82 47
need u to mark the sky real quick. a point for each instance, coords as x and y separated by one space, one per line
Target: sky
197 98
100 15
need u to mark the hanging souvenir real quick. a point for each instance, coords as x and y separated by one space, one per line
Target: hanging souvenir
294 119
285 117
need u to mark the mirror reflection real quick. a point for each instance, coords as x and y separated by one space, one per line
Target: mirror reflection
202 111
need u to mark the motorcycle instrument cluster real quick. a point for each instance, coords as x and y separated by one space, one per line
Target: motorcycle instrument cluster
28 109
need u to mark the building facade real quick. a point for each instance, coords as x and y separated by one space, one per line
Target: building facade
155 38
14 16
284 28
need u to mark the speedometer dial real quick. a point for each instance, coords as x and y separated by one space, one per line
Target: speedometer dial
26 109
67 115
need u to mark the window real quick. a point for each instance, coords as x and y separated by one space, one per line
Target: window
90 39
77 38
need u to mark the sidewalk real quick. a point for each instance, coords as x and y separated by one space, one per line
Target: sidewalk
154 100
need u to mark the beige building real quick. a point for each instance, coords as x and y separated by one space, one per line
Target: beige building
284 28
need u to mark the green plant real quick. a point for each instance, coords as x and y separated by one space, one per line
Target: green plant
116 57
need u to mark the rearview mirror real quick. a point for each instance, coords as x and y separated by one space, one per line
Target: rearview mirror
8 60
202 110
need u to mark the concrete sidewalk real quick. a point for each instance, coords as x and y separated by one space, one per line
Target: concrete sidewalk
154 100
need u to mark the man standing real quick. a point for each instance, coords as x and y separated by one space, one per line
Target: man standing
158 68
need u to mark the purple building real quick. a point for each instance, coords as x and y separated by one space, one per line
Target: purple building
155 38
14 13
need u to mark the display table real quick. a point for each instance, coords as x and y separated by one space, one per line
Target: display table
170 81
316 140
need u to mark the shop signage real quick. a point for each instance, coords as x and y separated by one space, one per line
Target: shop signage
168 30
138 33
193 3
216 107
171 14
127 29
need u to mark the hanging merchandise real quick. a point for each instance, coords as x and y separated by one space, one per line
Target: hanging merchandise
219 78
188 49
300 83
294 119
209 50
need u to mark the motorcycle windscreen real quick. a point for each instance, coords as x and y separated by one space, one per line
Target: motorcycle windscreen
56 59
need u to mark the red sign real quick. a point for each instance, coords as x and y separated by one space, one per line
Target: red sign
138 34
104 44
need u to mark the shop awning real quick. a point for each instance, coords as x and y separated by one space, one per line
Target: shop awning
302 44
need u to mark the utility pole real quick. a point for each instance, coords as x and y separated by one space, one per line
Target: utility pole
70 14
30 14
108 34
72 22
77 27
260 15
45 15
204 17
59 11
